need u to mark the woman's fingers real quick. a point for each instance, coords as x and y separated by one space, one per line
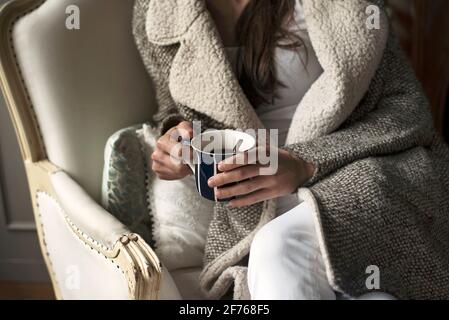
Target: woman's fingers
234 162
160 169
165 158
253 198
162 163
174 149
164 173
169 146
243 188
183 130
169 142
245 158
235 175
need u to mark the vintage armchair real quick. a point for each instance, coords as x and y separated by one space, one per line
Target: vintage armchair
67 91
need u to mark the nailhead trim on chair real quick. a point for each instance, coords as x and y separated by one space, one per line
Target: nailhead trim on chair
58 206
72 224
21 74
44 246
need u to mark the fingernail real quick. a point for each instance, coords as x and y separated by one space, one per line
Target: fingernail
210 182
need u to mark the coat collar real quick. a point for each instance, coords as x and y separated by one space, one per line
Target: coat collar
169 20
202 78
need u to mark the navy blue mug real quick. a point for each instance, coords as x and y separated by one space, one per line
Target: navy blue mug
209 149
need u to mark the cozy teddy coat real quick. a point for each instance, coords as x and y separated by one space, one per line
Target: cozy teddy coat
380 193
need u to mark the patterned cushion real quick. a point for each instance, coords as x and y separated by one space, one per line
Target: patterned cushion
124 182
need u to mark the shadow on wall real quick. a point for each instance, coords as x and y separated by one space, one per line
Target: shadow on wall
423 27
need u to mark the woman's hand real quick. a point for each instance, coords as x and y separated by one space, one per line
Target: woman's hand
253 187
167 161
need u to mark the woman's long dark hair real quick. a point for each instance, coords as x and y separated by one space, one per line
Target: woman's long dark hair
263 26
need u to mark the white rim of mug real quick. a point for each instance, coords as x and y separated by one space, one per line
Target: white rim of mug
253 144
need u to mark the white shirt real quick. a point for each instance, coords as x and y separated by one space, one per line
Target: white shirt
297 70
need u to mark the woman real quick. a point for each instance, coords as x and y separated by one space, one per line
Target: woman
363 181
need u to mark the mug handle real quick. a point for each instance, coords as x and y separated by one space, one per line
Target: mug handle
187 143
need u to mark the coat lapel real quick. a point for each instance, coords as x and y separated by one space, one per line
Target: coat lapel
202 79
201 76
349 54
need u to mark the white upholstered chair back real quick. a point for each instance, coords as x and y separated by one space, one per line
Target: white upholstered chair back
83 84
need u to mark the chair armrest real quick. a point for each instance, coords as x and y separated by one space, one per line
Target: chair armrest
92 254
85 214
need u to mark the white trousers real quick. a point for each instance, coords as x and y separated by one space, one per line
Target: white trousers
285 261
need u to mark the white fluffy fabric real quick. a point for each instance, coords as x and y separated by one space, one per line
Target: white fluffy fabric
181 216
